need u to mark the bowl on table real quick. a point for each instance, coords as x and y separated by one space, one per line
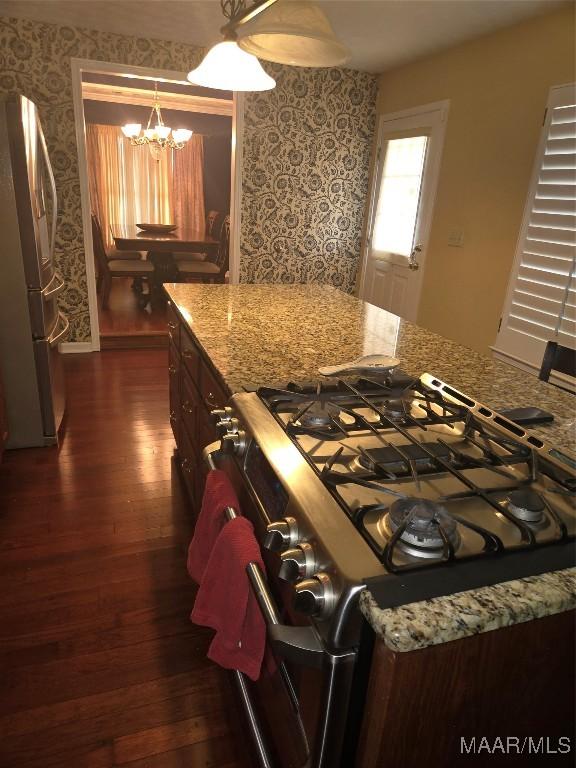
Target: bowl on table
157 227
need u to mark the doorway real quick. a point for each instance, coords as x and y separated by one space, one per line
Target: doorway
404 181
107 96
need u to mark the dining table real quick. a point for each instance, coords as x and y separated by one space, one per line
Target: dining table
160 247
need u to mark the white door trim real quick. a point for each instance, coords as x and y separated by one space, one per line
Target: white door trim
236 187
104 67
440 108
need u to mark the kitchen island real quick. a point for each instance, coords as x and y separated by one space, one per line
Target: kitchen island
244 337
270 335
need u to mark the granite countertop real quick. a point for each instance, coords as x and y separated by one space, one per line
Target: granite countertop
269 335
258 335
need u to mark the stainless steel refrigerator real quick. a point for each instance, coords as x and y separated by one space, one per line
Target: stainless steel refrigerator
31 325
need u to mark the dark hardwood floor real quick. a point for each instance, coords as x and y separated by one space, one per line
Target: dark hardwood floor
99 663
124 324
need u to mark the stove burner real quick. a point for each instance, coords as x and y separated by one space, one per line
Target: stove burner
423 520
525 504
318 415
394 409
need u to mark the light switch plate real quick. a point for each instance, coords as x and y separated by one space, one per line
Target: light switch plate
456 238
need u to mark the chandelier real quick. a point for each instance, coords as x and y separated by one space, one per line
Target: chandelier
158 137
296 33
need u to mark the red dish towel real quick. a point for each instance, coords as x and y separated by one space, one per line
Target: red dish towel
225 601
218 494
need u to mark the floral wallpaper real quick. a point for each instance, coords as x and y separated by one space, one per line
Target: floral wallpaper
35 61
306 155
306 168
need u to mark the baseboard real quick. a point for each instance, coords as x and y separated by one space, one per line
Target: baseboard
74 347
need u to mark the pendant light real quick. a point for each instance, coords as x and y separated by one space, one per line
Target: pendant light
295 33
229 68
226 66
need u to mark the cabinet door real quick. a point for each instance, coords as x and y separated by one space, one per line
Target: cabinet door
190 404
190 356
3 422
174 389
189 465
213 395
173 326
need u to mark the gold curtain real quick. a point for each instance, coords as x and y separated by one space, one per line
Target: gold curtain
128 186
188 184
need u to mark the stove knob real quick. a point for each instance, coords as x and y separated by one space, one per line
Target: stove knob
281 534
228 426
221 415
315 596
234 442
297 563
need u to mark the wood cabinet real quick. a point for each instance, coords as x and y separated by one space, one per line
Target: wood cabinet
517 681
194 392
3 422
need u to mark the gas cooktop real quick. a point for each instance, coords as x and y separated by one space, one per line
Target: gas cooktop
427 475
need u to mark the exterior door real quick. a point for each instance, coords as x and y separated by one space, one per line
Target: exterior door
401 205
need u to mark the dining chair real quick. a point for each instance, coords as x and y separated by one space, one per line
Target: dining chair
558 358
114 253
214 221
109 268
209 271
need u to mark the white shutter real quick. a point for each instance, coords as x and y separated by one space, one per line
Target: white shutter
541 300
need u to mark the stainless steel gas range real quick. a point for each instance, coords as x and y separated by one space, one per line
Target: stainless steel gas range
405 485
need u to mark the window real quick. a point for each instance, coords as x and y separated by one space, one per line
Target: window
541 301
397 210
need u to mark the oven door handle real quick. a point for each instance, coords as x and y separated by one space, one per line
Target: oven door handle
300 645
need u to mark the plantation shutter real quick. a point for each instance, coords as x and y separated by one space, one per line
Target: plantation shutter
541 301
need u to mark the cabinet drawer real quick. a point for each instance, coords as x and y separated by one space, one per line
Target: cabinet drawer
173 326
190 356
174 388
213 395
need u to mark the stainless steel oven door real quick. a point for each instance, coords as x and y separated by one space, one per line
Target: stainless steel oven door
297 709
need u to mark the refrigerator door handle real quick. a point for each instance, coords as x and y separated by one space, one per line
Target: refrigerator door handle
53 290
57 335
52 185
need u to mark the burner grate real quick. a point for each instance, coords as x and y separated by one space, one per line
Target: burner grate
426 442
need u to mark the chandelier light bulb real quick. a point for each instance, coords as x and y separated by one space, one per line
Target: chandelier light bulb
162 131
131 130
181 135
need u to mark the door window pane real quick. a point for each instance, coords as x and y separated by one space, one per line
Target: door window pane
399 196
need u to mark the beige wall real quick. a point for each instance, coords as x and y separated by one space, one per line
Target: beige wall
498 86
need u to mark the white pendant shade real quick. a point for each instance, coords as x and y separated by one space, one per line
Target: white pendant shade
296 33
228 68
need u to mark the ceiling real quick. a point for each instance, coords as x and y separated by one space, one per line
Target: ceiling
381 34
